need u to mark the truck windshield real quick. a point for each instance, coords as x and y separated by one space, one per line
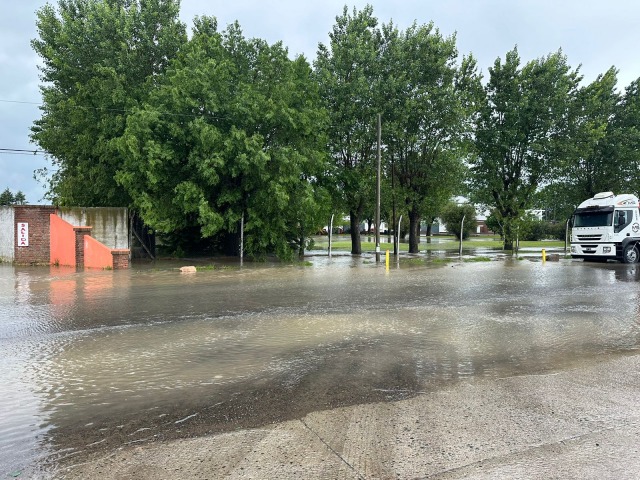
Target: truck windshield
593 219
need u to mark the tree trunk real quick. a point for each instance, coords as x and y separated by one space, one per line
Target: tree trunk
301 242
509 235
356 246
414 231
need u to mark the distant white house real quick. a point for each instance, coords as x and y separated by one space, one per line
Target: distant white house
539 214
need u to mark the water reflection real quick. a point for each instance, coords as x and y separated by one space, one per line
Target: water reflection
97 360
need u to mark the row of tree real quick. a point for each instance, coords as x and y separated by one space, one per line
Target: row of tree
204 133
7 197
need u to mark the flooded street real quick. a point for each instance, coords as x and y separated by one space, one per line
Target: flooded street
91 361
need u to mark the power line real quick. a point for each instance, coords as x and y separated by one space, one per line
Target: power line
21 151
22 102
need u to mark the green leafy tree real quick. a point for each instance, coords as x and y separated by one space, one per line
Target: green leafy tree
7 197
100 59
558 200
494 223
625 142
427 106
19 198
605 144
347 72
241 141
521 227
452 215
412 79
523 134
591 165
592 169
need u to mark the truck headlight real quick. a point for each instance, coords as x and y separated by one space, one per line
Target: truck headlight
573 249
606 249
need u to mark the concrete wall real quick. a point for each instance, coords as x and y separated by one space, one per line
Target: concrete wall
73 246
96 255
110 225
7 236
63 242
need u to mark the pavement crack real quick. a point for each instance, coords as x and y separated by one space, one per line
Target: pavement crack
333 450
528 448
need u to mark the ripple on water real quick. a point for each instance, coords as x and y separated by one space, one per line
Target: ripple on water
96 354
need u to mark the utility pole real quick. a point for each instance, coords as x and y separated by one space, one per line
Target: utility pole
378 192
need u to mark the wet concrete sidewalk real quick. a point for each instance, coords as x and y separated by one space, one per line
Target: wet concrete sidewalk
581 423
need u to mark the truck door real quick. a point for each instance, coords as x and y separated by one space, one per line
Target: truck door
622 219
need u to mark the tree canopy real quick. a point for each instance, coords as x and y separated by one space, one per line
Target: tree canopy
99 60
605 143
230 133
7 197
522 134
427 103
459 219
411 78
347 74
203 135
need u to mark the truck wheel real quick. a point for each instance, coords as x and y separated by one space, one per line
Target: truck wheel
630 254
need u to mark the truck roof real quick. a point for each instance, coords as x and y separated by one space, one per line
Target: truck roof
608 199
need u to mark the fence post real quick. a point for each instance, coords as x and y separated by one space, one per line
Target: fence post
461 234
330 234
398 239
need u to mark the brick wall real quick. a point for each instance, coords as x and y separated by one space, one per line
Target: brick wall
80 233
120 259
37 217
38 251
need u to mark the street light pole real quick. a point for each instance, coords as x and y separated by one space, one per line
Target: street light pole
378 192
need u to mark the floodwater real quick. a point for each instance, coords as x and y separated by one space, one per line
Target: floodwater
91 361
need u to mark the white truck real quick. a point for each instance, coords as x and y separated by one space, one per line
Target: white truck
607 227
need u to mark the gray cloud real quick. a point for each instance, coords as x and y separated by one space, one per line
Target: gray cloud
18 83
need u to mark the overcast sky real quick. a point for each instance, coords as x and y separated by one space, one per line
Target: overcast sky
592 33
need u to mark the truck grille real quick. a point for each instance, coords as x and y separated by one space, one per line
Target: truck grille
590 238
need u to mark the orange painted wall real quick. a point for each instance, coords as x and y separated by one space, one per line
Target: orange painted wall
96 255
62 241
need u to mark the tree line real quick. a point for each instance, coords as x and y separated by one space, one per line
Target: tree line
7 197
202 133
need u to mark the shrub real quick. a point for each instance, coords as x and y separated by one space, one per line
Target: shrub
452 215
556 230
536 230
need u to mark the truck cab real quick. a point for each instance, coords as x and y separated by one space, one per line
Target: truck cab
607 227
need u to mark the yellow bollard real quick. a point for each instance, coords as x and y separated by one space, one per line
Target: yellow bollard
386 259
544 255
